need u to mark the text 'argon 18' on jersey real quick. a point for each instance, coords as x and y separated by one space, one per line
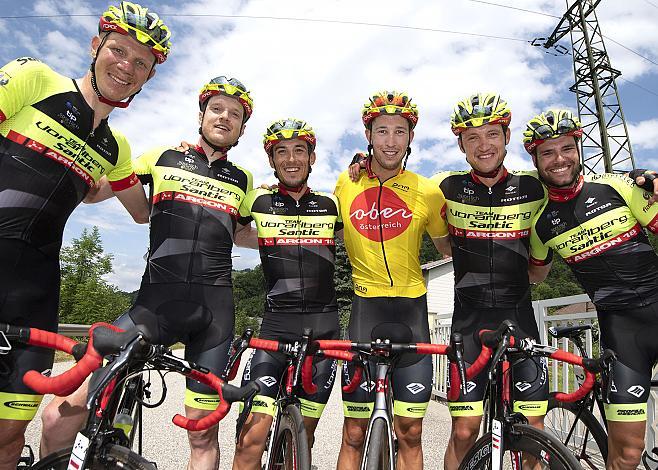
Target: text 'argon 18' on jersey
384 225
50 155
597 229
297 248
490 234
195 208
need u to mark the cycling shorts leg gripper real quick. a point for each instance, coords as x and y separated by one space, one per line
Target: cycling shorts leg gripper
19 406
412 388
201 401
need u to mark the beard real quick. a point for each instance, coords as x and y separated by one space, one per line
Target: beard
546 178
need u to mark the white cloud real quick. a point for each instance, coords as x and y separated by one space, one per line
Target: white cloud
644 134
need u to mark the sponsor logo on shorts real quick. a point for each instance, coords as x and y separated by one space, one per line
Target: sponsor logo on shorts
367 386
357 408
261 404
415 409
415 388
631 412
207 401
470 386
461 408
522 386
22 405
527 406
636 390
268 380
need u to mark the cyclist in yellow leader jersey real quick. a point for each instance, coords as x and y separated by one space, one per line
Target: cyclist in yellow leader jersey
385 213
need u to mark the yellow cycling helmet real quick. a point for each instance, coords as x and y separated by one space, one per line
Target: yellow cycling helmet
230 87
478 110
550 124
288 129
138 22
389 102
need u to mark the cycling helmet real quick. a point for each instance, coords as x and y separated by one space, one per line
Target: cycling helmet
287 129
389 102
229 87
138 22
478 110
550 125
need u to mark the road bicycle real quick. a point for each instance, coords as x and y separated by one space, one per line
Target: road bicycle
380 445
287 443
508 441
582 425
116 393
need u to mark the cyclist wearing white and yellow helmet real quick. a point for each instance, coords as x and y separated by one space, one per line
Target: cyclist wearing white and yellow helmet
385 213
595 223
186 294
55 146
296 229
489 210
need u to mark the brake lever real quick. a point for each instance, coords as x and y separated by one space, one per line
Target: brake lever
244 414
457 345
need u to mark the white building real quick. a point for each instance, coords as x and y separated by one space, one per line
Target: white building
440 282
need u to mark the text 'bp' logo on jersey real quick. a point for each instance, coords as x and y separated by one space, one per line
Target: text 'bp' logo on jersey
380 217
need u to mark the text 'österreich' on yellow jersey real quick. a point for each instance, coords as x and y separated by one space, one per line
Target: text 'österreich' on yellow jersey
384 225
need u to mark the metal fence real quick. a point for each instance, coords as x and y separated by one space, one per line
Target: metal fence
561 379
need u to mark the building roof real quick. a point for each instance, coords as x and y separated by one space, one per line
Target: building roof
580 307
436 264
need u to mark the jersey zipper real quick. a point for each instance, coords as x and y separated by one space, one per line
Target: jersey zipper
28 229
381 231
300 254
491 249
197 224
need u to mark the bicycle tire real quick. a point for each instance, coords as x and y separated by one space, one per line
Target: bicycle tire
377 452
549 451
112 456
290 445
592 451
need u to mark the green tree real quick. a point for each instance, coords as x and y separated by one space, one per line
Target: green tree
560 282
343 283
85 297
428 251
249 298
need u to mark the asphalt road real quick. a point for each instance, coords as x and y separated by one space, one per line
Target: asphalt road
166 444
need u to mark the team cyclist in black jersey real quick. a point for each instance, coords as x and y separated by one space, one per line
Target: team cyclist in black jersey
489 210
385 213
55 146
595 223
296 228
186 293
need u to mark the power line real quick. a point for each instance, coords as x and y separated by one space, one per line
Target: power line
651 3
639 86
284 18
631 50
515 8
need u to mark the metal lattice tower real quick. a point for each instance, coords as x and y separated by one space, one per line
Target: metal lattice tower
606 146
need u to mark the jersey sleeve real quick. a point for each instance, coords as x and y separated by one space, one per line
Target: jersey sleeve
144 164
340 184
245 208
22 83
436 201
122 175
438 179
637 199
540 254
339 219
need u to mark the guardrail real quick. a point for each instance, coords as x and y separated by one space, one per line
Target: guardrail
70 330
545 316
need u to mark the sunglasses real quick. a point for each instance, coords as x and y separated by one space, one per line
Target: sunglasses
564 127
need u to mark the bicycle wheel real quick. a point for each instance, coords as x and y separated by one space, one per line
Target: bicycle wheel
111 456
545 448
290 446
579 430
377 453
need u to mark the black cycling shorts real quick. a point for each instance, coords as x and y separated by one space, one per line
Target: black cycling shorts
29 296
529 375
200 316
402 320
632 335
268 367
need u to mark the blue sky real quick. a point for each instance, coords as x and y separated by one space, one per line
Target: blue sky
323 71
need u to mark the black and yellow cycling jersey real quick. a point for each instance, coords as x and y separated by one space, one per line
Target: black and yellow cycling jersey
50 154
597 229
195 209
297 248
490 234
384 226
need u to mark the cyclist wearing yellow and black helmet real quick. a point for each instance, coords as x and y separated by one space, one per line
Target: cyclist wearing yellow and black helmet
296 227
186 294
489 210
595 223
55 146
385 213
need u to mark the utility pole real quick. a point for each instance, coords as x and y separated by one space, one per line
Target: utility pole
605 146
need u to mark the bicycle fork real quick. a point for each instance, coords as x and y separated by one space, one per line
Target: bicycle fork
382 410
